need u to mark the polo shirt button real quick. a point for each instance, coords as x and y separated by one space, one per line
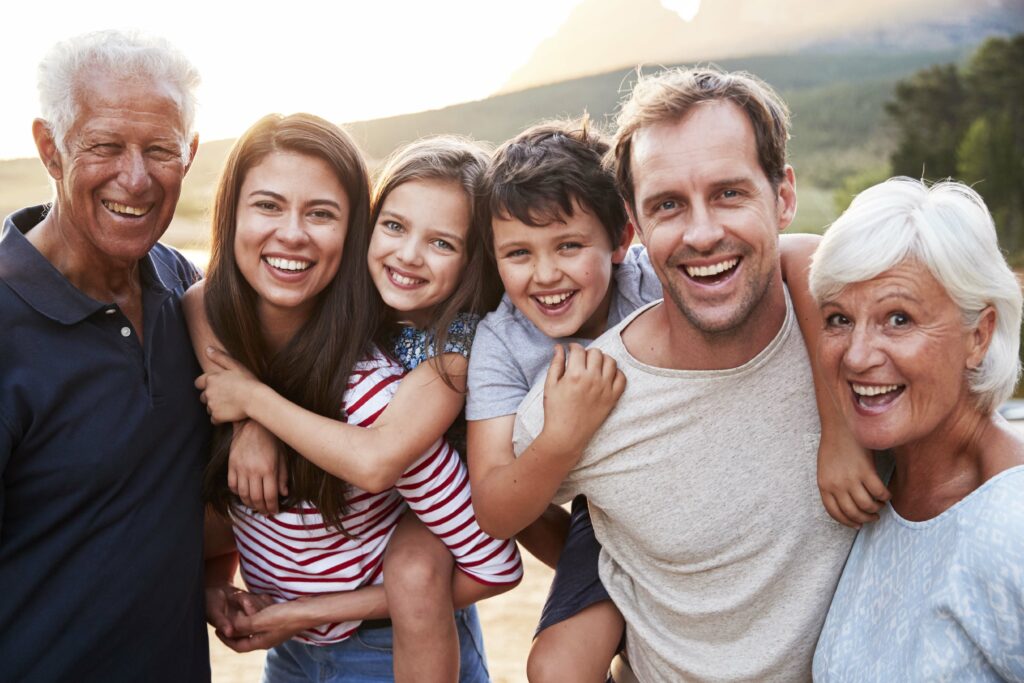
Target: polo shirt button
126 331
110 311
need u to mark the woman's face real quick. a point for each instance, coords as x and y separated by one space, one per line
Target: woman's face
418 248
896 352
292 217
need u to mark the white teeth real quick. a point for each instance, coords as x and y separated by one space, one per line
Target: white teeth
553 299
287 264
873 389
125 209
708 271
400 279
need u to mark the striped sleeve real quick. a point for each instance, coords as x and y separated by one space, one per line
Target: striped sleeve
436 488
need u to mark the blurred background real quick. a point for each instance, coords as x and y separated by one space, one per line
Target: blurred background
925 88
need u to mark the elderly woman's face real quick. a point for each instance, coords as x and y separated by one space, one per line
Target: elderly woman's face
895 351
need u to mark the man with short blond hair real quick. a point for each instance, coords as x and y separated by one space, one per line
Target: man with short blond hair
701 482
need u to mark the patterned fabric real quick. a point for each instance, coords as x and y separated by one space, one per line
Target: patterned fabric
412 346
293 553
939 600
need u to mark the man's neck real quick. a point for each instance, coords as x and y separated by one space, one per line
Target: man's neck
663 337
103 279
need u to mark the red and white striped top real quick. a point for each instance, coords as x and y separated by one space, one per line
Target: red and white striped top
293 553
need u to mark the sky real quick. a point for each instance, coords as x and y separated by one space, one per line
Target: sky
342 60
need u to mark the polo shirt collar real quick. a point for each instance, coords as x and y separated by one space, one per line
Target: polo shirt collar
40 284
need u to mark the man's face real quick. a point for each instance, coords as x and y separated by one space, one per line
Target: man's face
708 214
559 275
119 181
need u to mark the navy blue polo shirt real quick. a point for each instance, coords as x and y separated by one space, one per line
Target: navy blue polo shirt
102 446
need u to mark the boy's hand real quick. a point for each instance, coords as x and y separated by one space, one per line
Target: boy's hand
226 391
257 473
849 485
580 390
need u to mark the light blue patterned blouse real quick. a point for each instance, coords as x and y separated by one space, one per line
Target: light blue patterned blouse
412 345
939 600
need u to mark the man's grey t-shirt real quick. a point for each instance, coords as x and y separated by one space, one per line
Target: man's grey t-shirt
702 492
510 353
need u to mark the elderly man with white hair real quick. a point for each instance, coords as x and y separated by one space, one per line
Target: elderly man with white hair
102 438
922 329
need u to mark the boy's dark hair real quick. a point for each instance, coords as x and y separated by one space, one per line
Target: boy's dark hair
534 178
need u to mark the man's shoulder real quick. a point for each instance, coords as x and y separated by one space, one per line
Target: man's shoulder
175 271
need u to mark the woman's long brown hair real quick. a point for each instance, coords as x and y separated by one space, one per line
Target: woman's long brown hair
313 369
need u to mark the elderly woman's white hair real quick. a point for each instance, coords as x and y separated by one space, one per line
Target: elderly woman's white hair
948 229
121 54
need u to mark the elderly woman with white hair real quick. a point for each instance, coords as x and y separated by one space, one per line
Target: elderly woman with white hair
922 326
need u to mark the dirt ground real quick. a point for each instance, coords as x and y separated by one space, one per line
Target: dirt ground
508 622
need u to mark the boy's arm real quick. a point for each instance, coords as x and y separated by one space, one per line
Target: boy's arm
509 492
371 457
850 487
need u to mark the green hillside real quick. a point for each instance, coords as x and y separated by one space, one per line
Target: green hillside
836 99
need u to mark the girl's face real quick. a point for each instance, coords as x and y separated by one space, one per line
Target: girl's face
292 217
418 247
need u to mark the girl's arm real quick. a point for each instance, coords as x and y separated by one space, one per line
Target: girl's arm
256 473
850 487
371 458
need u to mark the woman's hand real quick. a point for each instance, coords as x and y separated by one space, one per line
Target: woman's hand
266 626
227 390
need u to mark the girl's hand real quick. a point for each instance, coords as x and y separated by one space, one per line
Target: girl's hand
849 485
226 391
579 392
257 473
270 625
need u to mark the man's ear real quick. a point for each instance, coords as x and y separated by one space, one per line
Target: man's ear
193 147
634 224
980 337
49 154
624 241
786 198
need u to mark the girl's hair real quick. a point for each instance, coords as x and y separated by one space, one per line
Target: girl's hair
446 157
313 369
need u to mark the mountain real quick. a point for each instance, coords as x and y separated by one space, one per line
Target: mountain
605 35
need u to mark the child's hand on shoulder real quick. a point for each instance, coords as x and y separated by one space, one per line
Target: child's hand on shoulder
226 390
582 387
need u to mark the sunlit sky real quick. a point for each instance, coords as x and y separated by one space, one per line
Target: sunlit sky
343 60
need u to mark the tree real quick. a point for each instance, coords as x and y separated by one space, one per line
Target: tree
928 113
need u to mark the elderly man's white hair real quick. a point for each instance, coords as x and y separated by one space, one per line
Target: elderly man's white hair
948 229
120 54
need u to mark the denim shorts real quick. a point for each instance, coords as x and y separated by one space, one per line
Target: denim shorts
365 657
576 584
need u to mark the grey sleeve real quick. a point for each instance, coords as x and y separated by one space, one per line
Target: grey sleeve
496 382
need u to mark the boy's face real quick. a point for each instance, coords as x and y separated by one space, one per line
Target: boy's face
559 275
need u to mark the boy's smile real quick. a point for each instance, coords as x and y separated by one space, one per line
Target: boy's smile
559 274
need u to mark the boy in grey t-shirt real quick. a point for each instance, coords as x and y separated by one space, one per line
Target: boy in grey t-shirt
560 237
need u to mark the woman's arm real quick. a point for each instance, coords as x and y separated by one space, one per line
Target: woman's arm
371 458
850 487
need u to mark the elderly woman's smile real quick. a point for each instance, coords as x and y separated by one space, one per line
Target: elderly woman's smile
897 352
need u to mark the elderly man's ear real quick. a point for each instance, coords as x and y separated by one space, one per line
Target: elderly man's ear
47 146
193 147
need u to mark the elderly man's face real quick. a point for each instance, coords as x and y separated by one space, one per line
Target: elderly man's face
118 183
896 351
